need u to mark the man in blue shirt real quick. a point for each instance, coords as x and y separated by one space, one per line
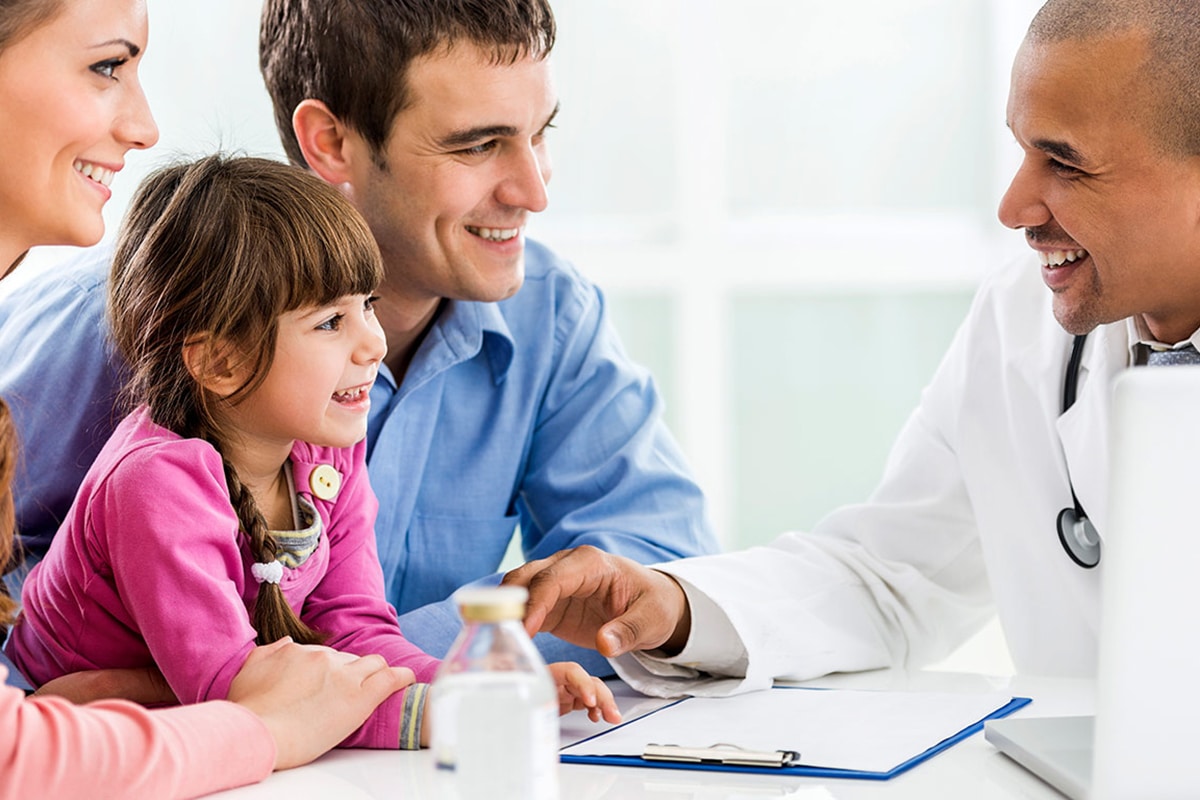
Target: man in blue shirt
506 400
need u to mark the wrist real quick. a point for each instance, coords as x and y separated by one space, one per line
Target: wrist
682 613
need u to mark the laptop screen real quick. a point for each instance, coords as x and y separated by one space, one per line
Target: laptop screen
1147 722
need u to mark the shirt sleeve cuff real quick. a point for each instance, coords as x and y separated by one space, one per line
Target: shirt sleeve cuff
713 645
412 716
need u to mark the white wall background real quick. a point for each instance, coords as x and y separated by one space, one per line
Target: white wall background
788 203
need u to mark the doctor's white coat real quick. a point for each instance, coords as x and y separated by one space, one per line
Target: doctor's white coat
962 523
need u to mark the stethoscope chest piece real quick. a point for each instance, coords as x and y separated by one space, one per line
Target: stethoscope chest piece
1079 538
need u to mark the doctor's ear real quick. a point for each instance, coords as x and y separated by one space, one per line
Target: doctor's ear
326 142
214 364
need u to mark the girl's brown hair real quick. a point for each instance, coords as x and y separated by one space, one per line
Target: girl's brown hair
8 468
216 250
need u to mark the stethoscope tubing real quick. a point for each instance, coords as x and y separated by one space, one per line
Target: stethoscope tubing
1076 532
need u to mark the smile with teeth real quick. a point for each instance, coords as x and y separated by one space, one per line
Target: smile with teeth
101 175
495 234
351 395
1056 258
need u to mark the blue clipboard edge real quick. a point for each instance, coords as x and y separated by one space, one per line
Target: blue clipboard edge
819 772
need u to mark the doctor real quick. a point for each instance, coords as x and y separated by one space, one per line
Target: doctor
1104 103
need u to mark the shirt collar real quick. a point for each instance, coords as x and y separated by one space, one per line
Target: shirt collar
461 331
1142 341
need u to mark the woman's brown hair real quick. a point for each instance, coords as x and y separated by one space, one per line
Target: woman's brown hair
216 250
19 17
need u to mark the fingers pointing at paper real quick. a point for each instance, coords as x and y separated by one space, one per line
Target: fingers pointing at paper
595 599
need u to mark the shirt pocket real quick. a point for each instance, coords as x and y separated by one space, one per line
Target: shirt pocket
446 552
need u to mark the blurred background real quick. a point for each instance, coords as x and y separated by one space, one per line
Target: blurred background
788 204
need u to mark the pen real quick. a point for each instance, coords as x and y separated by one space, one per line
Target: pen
720 754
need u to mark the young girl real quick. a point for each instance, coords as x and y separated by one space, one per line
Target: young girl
232 506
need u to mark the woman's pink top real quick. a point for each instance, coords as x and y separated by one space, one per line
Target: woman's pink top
52 748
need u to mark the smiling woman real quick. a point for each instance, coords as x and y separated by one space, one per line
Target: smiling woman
72 108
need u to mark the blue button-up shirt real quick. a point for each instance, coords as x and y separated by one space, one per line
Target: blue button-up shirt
524 414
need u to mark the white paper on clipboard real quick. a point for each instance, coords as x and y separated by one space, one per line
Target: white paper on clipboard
869 731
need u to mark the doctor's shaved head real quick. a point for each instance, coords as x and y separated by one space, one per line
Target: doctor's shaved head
1167 86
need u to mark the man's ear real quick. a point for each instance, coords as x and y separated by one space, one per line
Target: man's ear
327 144
213 364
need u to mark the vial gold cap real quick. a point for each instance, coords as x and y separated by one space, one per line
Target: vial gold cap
492 604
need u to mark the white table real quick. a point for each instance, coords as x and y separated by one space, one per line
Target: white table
971 769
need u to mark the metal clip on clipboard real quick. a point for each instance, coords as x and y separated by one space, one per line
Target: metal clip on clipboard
720 754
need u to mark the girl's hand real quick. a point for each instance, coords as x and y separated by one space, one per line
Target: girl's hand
579 690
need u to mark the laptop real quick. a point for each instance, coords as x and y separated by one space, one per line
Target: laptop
1145 738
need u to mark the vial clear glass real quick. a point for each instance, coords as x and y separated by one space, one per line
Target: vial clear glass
493 705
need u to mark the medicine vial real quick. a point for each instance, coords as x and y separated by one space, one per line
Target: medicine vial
493 705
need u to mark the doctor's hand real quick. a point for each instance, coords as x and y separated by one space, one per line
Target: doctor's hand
595 599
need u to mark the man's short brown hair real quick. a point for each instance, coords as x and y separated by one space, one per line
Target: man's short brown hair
1168 80
354 55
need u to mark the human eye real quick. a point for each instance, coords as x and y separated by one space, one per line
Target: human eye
369 303
479 149
108 68
541 134
1064 169
332 323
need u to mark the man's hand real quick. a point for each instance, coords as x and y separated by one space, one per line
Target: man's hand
144 685
595 599
312 697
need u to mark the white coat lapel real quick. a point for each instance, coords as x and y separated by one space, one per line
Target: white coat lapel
1083 430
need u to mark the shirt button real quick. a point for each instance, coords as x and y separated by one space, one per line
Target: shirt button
325 482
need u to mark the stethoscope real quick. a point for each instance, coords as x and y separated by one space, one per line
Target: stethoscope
1076 532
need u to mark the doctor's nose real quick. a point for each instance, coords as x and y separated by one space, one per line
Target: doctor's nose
1022 205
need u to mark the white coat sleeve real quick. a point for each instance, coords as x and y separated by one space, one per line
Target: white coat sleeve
896 581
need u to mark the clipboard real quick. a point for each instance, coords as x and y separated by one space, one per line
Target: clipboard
830 733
